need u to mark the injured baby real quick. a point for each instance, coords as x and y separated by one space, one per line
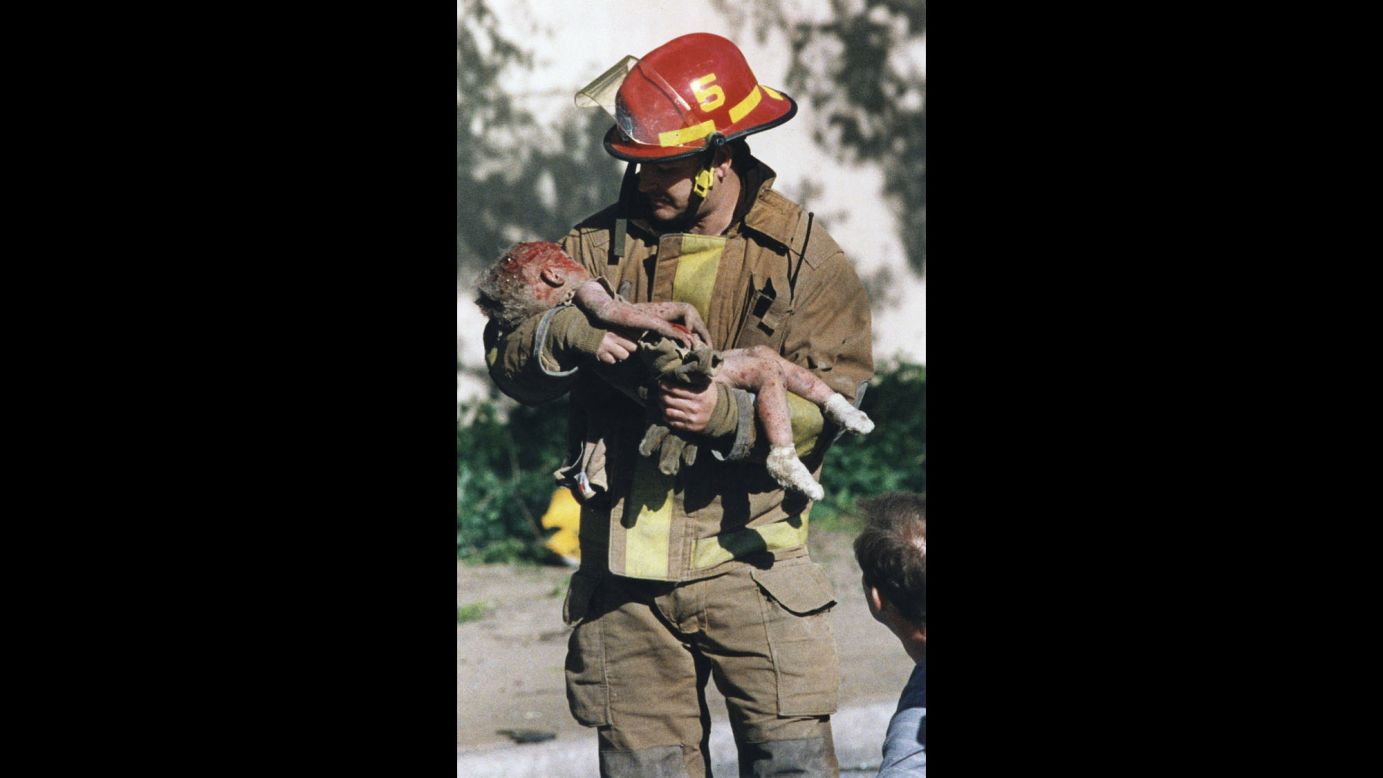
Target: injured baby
531 278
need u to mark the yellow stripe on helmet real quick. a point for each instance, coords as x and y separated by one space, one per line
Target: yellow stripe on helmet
687 134
746 105
698 131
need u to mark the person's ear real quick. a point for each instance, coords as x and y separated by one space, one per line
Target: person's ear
875 601
722 166
553 276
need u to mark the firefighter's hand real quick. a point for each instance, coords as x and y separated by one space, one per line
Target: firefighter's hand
673 450
614 348
686 408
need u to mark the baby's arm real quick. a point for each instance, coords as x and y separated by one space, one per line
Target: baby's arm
683 312
593 299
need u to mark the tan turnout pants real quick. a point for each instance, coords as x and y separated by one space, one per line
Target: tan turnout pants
642 651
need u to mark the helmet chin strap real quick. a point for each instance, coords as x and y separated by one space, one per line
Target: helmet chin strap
701 185
706 177
629 185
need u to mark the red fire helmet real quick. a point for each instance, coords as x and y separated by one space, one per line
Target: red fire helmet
670 104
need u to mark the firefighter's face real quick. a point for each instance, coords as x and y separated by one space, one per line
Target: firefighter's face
667 187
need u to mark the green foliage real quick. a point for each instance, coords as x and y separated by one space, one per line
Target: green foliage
857 70
516 179
859 73
891 458
473 612
504 469
504 479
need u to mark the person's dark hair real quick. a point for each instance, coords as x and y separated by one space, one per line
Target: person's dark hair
739 154
892 551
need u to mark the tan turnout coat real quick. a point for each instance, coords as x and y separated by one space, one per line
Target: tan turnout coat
781 282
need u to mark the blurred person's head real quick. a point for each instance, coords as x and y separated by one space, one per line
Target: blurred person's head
892 554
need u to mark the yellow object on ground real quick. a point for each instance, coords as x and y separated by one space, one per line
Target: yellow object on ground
564 513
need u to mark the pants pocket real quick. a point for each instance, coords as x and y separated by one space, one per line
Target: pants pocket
588 695
796 599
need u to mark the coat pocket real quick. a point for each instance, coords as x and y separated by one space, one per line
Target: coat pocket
579 594
588 695
767 315
796 598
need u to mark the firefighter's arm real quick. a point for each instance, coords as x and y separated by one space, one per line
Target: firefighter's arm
539 359
829 333
831 336
732 427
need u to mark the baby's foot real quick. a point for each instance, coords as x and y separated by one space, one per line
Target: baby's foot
790 473
839 410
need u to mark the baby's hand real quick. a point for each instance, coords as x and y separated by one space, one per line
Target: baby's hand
680 334
698 327
614 348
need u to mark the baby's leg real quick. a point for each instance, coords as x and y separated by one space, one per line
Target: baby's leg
804 383
748 369
744 369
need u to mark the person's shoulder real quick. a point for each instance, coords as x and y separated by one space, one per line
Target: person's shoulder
599 222
915 690
590 238
820 250
774 217
796 230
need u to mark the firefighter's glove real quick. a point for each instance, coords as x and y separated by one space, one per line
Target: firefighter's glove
674 451
733 408
669 361
697 369
661 355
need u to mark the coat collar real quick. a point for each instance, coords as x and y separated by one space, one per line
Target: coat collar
761 211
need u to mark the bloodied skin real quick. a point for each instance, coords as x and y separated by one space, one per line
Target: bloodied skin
533 277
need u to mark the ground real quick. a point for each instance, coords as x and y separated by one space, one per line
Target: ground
509 659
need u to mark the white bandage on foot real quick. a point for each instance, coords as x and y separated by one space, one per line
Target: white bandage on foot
790 473
839 410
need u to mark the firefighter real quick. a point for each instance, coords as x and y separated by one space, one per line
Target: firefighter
694 562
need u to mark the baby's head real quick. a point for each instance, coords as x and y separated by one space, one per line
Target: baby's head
528 279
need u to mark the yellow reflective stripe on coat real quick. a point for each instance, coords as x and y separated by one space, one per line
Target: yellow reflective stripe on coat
778 536
696 271
807 423
647 544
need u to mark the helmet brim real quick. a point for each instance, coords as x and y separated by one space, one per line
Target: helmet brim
767 114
